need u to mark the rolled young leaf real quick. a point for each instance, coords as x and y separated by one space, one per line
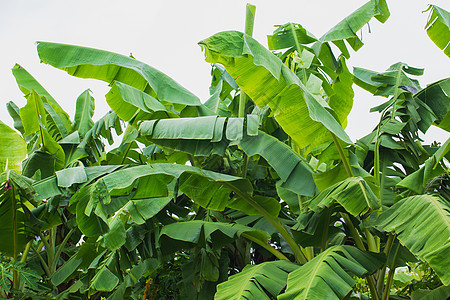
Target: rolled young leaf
84 112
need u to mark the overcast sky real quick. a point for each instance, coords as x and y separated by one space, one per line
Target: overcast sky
164 34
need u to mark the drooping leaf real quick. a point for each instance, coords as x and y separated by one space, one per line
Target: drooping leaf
70 176
183 235
262 281
13 149
32 112
418 180
84 112
341 101
347 28
390 82
16 190
292 169
128 102
107 66
422 224
438 28
267 81
329 274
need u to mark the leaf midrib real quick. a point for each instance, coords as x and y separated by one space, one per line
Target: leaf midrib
316 268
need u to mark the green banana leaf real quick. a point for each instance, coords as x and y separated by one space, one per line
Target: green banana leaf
209 192
83 113
354 194
13 111
262 281
347 28
441 292
339 89
32 113
136 211
418 180
189 134
423 106
438 28
91 146
188 234
267 81
27 83
34 118
56 119
422 224
50 187
341 100
329 274
16 193
389 82
437 97
128 102
104 279
107 66
83 258
288 35
143 191
13 149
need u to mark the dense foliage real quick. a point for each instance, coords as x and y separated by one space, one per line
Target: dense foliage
257 193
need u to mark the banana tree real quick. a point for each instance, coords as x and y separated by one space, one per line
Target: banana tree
257 193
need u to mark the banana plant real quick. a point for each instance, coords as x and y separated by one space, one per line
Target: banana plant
256 193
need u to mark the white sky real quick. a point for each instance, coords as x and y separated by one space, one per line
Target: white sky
164 34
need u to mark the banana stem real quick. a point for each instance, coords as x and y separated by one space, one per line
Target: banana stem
299 255
266 246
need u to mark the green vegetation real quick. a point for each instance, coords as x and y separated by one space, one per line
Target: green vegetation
257 193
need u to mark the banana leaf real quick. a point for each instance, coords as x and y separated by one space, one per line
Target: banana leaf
263 281
15 226
418 180
422 224
437 97
188 234
347 28
27 83
267 81
438 27
13 149
179 134
83 113
128 102
329 274
354 194
208 189
107 66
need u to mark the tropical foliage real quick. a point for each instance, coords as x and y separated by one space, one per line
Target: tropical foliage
256 193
